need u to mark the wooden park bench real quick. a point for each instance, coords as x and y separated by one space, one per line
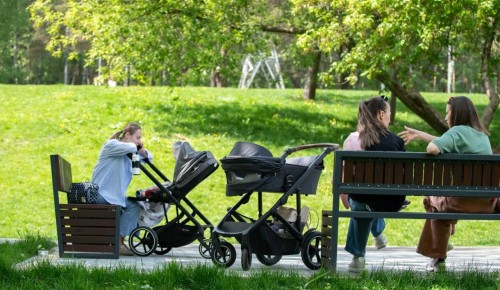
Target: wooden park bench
401 173
83 230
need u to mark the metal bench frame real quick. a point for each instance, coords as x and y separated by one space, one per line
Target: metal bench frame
402 173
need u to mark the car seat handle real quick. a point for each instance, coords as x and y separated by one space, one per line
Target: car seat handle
328 146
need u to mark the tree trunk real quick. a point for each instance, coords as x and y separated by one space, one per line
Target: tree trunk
415 102
216 78
489 86
312 77
392 103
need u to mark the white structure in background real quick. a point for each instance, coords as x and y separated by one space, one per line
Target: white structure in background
269 66
450 83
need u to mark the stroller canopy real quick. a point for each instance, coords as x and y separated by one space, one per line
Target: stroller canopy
191 166
250 157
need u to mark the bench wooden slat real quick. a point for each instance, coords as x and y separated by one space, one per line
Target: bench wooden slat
86 231
369 171
477 173
468 172
486 175
89 222
326 220
359 173
438 174
399 172
447 174
457 174
408 172
88 248
101 213
348 171
428 168
89 240
389 171
495 180
418 177
379 171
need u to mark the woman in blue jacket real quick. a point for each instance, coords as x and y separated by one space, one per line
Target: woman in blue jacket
113 173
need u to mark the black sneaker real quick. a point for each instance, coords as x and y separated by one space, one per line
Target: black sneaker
406 203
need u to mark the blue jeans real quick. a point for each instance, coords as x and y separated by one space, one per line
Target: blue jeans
128 218
359 230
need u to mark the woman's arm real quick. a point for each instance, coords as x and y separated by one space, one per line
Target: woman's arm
433 149
410 134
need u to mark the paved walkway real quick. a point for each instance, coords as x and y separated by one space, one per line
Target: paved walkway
391 258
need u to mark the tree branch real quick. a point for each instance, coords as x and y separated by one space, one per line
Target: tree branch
280 29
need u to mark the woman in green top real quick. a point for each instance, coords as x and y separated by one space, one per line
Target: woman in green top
467 136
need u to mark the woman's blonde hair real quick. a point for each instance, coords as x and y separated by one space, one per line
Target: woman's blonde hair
369 126
130 128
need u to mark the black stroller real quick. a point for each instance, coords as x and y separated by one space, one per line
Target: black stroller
191 168
252 168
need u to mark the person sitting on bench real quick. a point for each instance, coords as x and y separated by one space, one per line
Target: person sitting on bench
465 135
113 173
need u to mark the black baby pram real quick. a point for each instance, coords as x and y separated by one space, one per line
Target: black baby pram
252 168
191 168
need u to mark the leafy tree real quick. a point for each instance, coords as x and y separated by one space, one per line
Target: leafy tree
395 41
155 36
14 40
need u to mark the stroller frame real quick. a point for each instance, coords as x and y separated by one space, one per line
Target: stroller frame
246 229
143 241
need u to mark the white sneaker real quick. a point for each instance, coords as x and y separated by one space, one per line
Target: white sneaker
357 264
436 265
380 242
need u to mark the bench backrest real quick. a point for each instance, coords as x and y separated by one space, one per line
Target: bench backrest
61 174
390 172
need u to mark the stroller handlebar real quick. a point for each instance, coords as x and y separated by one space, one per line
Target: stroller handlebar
328 146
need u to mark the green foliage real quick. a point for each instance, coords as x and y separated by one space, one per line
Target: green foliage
76 121
404 38
156 36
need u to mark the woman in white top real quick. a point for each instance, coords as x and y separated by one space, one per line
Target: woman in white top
113 173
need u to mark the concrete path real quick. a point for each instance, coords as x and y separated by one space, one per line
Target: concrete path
391 258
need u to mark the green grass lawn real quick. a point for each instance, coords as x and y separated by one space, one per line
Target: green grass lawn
74 121
177 276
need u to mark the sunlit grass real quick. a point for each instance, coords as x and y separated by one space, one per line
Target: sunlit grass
176 276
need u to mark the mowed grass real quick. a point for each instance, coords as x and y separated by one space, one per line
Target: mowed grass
74 121
176 276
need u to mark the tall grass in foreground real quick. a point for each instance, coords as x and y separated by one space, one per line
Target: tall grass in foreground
176 276
74 121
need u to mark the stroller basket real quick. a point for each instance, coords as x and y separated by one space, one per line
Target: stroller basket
245 173
263 239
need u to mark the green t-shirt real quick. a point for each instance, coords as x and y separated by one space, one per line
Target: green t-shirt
463 139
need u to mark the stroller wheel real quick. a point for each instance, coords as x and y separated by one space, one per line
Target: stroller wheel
205 248
143 241
268 260
246 259
311 251
162 250
226 256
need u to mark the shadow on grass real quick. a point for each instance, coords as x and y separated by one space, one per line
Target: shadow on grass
265 124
